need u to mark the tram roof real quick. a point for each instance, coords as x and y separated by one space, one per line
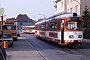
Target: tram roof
63 15
59 15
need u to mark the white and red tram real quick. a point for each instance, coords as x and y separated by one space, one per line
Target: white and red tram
28 29
63 28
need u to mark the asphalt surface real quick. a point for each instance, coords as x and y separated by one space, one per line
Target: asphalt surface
52 51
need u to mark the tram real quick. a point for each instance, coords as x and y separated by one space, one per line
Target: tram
28 29
64 28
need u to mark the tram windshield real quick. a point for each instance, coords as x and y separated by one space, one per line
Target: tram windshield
74 25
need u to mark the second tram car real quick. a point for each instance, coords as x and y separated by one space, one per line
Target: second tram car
28 29
64 28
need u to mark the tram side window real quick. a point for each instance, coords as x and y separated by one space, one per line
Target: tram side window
36 27
59 25
74 25
53 26
0 35
42 26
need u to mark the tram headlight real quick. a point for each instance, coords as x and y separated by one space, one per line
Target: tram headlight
79 36
71 36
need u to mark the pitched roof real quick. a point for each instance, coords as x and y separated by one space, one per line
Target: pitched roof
23 17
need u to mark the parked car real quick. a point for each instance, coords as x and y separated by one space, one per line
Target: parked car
7 37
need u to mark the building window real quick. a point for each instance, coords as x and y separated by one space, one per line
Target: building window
20 23
76 8
71 9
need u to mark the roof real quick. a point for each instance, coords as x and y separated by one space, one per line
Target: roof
23 17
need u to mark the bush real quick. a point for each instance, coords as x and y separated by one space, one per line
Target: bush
86 33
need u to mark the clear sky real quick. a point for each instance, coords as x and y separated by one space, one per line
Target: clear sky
35 9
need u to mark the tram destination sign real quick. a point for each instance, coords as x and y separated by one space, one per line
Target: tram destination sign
74 18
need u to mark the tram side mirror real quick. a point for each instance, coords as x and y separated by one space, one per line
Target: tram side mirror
62 21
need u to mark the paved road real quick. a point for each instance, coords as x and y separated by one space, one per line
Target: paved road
51 51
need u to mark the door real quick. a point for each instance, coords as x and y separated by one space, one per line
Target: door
62 31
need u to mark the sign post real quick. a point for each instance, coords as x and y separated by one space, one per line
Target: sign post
1 13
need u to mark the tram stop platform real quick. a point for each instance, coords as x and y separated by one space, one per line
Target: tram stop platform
22 50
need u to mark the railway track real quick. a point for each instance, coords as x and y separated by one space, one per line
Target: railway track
78 50
83 50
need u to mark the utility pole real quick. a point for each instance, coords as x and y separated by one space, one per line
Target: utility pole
2 30
2 12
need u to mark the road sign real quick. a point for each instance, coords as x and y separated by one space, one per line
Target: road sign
1 11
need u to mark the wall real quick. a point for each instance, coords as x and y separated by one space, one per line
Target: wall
61 6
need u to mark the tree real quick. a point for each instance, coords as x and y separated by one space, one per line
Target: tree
86 17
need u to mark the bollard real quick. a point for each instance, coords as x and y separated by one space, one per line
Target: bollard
5 44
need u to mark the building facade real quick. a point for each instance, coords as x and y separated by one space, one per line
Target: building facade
24 20
77 6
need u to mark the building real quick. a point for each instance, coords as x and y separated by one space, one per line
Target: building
24 20
71 5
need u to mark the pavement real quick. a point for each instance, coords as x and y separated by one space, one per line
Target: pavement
22 50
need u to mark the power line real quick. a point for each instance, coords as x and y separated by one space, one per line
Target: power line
45 7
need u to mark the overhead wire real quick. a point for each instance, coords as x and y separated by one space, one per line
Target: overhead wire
44 7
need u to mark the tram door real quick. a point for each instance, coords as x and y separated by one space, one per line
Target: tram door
62 31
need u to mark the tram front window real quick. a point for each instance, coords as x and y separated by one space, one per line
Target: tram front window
74 25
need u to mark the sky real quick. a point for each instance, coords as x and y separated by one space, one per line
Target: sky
34 9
